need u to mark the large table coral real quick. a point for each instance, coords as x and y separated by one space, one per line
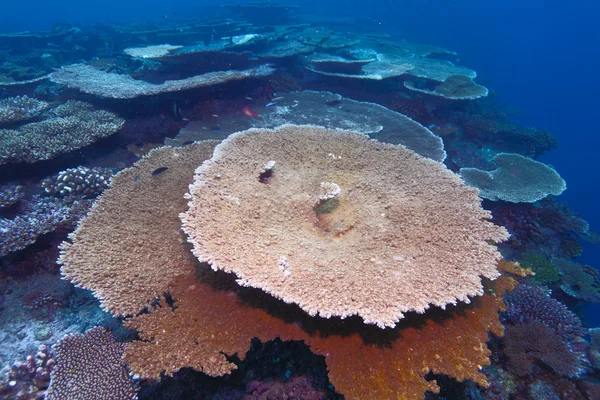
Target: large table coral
342 226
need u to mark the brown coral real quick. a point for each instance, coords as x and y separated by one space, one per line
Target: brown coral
403 233
130 281
213 319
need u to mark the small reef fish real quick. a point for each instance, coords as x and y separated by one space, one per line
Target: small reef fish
159 171
277 98
248 98
249 113
271 104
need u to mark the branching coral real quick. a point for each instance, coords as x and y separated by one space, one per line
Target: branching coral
68 127
533 304
402 234
81 180
10 194
530 342
21 108
37 217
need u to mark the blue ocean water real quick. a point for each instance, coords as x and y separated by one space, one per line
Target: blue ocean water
539 57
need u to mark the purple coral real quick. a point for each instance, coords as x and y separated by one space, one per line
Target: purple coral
528 304
28 379
531 342
90 366
37 217
10 194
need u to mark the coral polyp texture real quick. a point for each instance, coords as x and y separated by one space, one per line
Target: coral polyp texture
100 83
402 233
110 220
90 367
517 179
68 127
20 109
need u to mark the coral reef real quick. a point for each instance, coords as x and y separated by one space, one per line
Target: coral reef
528 304
545 270
20 109
196 333
10 194
212 316
29 379
39 216
67 127
94 81
517 179
85 181
526 343
89 366
331 111
579 281
110 220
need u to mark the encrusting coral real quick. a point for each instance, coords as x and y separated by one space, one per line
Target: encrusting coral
90 367
403 232
130 250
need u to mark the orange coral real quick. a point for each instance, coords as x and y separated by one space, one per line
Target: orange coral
219 318
514 268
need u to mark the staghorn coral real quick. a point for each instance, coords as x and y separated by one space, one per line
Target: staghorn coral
99 83
21 108
110 221
530 342
124 246
81 180
403 233
517 179
90 367
68 127
579 281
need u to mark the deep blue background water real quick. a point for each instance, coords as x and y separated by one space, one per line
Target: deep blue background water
541 56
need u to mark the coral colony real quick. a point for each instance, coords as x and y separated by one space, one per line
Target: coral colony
281 211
